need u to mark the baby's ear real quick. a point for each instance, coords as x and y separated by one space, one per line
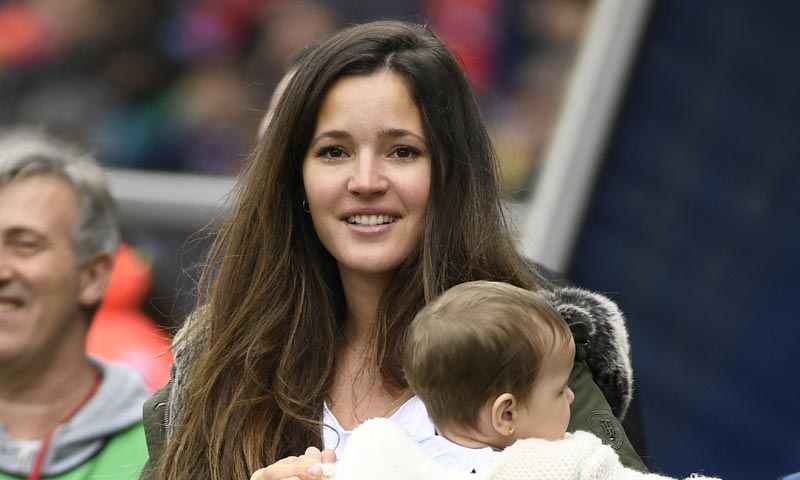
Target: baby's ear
504 414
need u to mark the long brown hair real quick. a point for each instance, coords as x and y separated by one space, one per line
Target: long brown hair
272 301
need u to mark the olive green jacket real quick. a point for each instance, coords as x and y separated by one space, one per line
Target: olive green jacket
601 378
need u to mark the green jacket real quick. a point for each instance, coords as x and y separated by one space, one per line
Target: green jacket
103 440
593 414
120 459
154 412
601 378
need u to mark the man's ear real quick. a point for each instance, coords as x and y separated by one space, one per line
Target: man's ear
95 276
504 414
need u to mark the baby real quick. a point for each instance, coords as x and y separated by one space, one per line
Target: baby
491 362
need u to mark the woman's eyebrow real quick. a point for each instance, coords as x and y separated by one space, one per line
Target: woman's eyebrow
398 133
334 134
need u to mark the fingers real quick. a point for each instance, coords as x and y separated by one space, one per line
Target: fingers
304 467
313 454
288 472
328 456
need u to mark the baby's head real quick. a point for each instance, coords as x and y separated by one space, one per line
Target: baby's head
491 363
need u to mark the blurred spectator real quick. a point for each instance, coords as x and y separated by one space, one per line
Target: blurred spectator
287 28
521 127
289 69
62 414
120 332
176 86
473 30
537 54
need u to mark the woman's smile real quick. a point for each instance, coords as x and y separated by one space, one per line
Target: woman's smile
367 173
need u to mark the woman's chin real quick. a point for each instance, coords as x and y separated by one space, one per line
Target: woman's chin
369 266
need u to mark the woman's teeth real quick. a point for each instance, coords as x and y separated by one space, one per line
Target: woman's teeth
370 219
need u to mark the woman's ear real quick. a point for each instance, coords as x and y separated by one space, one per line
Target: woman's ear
504 414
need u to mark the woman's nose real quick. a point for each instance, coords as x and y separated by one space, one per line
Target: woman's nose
368 177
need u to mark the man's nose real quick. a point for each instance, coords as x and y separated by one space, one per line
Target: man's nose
5 266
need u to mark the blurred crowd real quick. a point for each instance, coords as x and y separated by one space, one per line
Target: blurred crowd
175 85
181 86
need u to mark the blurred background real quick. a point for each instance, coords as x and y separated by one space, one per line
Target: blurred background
649 151
179 87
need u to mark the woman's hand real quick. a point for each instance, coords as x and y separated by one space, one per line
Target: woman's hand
304 467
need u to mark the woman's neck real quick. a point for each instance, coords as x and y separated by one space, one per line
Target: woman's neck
358 391
362 295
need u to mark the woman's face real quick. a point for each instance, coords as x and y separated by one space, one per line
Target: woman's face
367 173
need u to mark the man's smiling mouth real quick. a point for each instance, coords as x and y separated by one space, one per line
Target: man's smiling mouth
9 306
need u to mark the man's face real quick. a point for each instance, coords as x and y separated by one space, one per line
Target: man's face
42 288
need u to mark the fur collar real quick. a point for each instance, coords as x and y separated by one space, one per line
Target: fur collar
604 346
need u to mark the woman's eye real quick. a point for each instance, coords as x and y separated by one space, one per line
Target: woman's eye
405 152
331 152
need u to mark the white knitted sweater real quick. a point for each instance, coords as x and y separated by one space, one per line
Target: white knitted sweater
381 449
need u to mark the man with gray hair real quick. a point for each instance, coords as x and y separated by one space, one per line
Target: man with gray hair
62 414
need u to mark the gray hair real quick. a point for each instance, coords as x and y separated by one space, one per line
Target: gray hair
25 151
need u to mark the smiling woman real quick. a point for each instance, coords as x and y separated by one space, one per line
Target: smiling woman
372 191
367 175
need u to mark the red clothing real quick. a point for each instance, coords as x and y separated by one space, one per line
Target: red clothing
121 333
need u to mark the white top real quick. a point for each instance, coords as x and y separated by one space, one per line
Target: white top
413 417
458 458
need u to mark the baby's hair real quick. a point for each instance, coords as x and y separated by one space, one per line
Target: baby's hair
475 341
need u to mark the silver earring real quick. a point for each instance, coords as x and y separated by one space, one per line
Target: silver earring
305 207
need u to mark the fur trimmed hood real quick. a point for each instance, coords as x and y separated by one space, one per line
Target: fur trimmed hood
601 340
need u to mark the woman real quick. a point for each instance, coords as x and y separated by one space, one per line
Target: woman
373 190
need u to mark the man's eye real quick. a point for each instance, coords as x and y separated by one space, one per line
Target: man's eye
26 245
